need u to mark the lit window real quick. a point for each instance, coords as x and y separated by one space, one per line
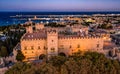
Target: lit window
70 46
32 48
38 47
78 46
45 48
25 52
25 48
52 41
98 45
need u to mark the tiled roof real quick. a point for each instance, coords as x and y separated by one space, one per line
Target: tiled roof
35 35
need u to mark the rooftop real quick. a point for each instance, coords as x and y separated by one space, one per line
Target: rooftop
43 35
35 35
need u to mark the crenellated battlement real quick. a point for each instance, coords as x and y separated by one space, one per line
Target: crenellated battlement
77 37
63 38
29 29
39 26
33 39
52 31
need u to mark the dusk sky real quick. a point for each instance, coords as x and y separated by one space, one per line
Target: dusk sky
59 5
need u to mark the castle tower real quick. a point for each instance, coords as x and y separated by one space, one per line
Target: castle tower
39 26
52 42
29 29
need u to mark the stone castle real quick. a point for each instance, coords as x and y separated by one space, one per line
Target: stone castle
39 40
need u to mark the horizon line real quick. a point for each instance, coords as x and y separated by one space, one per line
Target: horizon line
60 11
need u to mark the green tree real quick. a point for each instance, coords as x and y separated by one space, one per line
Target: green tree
19 68
72 66
58 61
87 63
3 51
20 56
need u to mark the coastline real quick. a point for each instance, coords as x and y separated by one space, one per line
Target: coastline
6 19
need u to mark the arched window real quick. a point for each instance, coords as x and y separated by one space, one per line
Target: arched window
52 49
52 40
45 48
38 47
98 45
25 48
78 46
32 48
70 46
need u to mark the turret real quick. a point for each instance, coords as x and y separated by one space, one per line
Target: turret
52 42
39 26
29 29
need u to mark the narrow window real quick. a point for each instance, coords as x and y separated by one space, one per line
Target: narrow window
32 48
70 46
25 48
98 45
38 47
52 41
78 46
45 48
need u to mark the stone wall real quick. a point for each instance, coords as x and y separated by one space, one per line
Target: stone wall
33 48
69 45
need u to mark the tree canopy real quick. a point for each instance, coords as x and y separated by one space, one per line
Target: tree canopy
3 51
87 63
20 56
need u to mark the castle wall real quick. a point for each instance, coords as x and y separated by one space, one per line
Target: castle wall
70 45
65 45
33 48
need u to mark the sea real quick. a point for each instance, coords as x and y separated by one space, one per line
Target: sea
15 18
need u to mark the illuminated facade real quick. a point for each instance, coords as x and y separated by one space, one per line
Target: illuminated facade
52 41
